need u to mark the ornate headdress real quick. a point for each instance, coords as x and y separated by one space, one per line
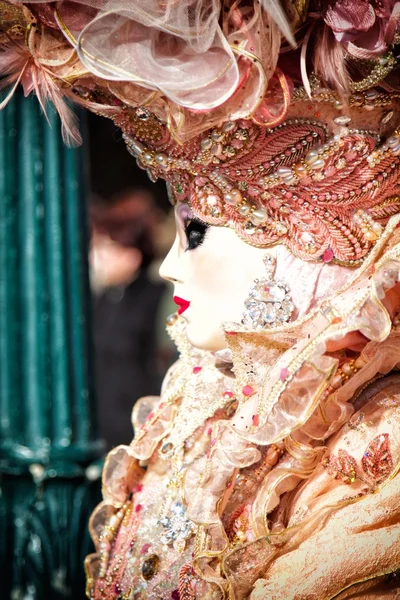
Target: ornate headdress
279 120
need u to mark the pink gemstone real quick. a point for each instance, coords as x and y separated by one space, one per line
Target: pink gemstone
328 255
144 548
209 431
228 394
150 416
284 374
256 420
247 390
197 370
138 508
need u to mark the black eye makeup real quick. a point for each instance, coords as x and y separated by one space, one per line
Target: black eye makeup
195 231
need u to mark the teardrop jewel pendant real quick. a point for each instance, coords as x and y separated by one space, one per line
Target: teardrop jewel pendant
269 303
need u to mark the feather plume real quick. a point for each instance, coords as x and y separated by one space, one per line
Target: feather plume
276 12
18 65
329 61
303 61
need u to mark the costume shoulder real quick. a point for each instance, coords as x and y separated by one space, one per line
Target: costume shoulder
348 513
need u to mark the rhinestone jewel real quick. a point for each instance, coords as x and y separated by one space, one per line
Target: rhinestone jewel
269 302
177 527
257 314
269 291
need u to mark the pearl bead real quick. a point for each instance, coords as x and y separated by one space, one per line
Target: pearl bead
161 159
346 368
114 521
229 199
393 141
217 136
317 164
289 179
396 149
216 149
284 171
228 126
311 157
377 228
244 210
206 143
336 382
259 216
147 157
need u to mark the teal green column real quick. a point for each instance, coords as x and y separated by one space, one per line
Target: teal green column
49 449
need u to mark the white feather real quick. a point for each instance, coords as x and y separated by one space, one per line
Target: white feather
276 12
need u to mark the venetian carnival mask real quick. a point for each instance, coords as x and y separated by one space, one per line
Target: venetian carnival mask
213 270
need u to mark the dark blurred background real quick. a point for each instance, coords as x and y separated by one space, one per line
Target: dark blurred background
113 169
132 229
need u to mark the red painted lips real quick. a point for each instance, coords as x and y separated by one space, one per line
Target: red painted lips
183 304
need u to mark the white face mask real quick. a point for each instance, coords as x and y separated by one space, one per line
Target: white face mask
212 270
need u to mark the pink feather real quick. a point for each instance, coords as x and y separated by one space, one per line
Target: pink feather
329 61
18 65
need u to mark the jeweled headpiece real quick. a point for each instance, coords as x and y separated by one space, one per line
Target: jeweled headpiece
279 120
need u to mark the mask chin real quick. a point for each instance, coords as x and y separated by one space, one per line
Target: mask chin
205 338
